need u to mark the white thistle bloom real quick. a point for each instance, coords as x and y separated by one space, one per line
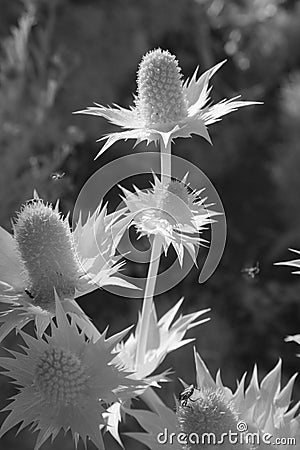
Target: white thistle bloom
174 212
264 407
165 107
44 256
65 383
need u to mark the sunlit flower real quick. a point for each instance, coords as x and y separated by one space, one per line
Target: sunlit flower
164 336
209 413
292 263
165 107
174 212
65 383
265 407
262 408
164 428
43 255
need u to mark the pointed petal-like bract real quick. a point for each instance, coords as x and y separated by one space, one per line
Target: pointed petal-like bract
172 212
159 86
204 378
65 382
295 338
10 263
264 407
163 337
292 263
156 424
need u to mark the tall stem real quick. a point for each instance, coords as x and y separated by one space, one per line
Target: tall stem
165 163
148 298
165 159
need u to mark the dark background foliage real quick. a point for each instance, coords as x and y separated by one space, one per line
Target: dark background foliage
60 56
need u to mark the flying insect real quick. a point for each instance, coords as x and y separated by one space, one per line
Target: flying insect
57 176
251 272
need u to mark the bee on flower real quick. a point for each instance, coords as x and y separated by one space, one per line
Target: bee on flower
262 409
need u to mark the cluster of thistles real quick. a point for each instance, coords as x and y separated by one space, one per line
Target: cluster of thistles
72 377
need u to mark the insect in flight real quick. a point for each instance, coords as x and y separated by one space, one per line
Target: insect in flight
185 395
57 176
251 272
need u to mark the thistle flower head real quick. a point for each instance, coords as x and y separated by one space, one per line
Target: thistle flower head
265 407
179 189
60 377
44 256
160 99
165 107
174 212
191 427
66 382
208 413
45 243
213 408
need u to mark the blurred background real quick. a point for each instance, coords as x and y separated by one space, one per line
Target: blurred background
59 56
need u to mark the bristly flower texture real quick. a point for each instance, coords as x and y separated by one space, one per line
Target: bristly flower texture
209 412
165 107
264 408
65 383
174 212
43 255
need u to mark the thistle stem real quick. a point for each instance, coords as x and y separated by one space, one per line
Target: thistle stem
165 163
148 298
